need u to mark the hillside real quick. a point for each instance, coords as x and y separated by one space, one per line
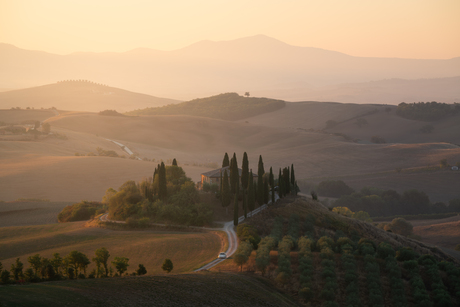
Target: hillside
187 250
259 64
204 289
382 120
196 142
79 95
229 106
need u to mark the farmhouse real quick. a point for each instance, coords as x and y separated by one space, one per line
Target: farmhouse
213 177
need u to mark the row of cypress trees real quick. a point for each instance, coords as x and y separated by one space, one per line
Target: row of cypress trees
252 192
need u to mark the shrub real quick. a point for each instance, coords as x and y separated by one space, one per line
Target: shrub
81 211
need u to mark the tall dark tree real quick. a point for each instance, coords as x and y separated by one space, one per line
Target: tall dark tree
245 204
292 175
260 182
226 161
162 190
234 175
280 185
266 191
235 211
251 194
226 197
174 162
287 181
255 192
245 171
271 180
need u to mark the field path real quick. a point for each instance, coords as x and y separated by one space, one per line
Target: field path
228 227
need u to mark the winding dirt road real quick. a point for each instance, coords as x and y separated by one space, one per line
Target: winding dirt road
229 228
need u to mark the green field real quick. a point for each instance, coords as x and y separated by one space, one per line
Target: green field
187 250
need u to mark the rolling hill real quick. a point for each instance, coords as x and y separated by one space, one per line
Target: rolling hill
229 106
259 64
79 95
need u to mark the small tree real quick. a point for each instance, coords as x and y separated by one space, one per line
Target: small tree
167 265
35 262
271 180
120 264
141 270
246 94
46 128
16 269
400 226
174 162
102 257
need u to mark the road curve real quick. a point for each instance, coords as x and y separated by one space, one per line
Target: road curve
229 228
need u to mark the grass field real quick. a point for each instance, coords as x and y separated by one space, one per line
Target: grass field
197 289
28 213
187 250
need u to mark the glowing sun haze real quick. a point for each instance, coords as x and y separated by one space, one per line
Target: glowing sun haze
390 28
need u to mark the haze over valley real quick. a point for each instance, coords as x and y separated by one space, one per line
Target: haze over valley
253 154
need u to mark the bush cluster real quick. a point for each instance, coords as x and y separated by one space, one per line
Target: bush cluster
329 290
284 259
398 295
419 292
263 253
453 277
427 111
305 268
351 279
81 211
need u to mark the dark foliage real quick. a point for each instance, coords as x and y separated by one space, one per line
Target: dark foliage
80 211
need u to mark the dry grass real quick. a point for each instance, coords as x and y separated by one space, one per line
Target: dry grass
26 213
440 233
197 289
187 251
19 116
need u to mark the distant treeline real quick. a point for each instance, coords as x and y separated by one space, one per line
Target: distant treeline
381 203
228 106
427 111
80 211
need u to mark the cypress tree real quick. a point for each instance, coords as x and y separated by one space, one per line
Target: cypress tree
260 182
272 185
245 171
234 175
245 205
280 185
255 192
226 197
287 184
235 211
162 193
266 192
251 195
225 162
174 162
292 175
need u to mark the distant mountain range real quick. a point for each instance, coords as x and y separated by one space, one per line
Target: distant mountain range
259 64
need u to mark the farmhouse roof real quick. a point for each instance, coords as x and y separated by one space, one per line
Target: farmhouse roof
216 173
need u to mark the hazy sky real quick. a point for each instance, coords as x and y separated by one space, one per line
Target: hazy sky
375 28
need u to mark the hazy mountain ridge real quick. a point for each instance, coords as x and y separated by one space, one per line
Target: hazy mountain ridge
259 64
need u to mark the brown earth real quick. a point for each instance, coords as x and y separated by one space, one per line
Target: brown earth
195 142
